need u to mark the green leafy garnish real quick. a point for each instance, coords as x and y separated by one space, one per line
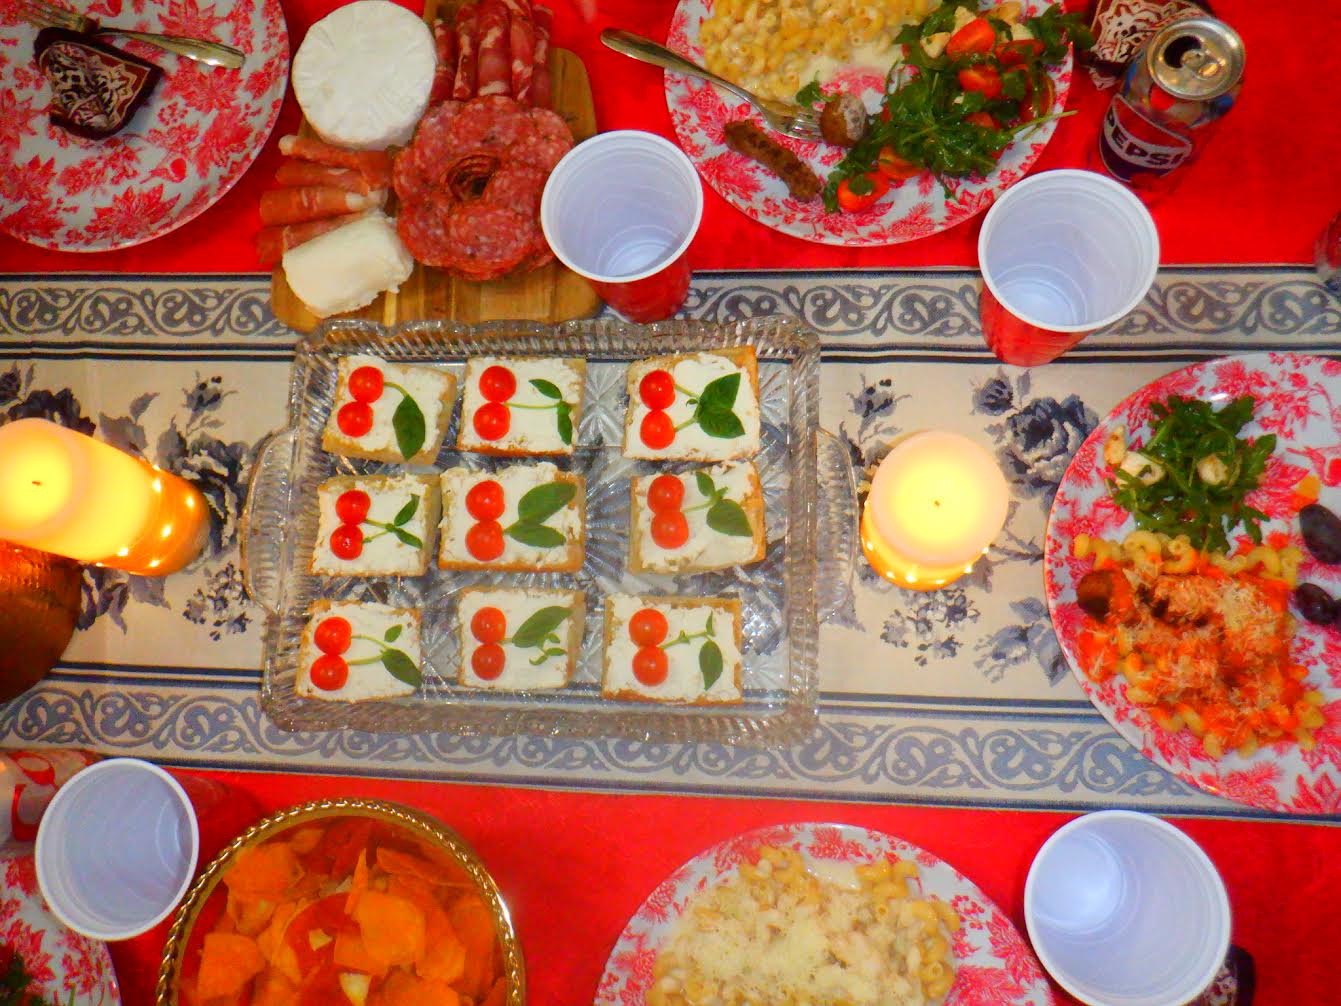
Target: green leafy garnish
563 411
401 667
537 535
710 663
408 423
535 629
547 388
406 512
810 94
537 506
728 517
1185 433
396 527
393 633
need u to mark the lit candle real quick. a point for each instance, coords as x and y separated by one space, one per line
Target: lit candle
936 503
66 493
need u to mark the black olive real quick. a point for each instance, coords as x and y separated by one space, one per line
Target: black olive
1315 604
1322 533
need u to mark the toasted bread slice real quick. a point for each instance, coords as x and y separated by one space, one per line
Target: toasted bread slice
527 544
686 681
375 630
533 619
538 421
397 537
700 430
724 534
432 391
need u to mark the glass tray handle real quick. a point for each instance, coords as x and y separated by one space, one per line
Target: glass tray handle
264 528
836 528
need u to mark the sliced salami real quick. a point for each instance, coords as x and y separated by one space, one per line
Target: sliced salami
467 177
489 241
517 185
543 20
490 124
521 33
423 227
467 51
495 71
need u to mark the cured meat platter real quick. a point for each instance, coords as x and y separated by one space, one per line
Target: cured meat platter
550 293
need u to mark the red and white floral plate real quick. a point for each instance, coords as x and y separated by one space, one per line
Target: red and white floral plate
916 209
66 968
993 962
1299 400
200 129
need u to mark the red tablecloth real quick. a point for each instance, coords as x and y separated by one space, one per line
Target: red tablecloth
574 867
1262 193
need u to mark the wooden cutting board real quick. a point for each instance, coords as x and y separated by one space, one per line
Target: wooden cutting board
551 293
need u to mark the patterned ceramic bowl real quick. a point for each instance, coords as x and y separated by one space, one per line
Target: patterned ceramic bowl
417 825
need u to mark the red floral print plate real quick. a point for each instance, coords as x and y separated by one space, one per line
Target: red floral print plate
1299 400
993 963
916 209
187 145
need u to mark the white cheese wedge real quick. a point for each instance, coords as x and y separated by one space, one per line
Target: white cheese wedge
345 269
363 75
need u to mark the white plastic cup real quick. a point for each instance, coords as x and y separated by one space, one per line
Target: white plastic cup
1124 909
117 849
1062 253
621 210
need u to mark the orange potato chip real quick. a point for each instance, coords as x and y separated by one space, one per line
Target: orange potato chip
358 883
413 890
444 957
474 926
404 989
267 870
303 840
392 928
273 989
227 962
351 954
498 995
249 915
404 864
272 937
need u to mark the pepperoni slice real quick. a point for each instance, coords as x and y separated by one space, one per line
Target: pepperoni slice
489 240
493 123
423 226
519 186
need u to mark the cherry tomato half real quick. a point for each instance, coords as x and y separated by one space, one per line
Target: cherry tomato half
333 635
498 384
1017 51
351 506
975 37
492 421
365 384
862 192
489 625
329 672
983 79
485 500
894 167
665 493
657 430
670 529
657 389
488 660
648 627
650 665
354 418
347 541
484 541
981 119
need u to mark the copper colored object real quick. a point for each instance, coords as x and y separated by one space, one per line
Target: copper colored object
39 604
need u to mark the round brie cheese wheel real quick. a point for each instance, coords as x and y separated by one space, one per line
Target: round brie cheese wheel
363 73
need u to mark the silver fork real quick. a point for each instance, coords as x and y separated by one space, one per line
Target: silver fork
47 15
780 116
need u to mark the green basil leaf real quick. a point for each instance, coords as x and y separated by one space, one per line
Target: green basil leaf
536 535
408 422
721 423
534 630
401 667
720 395
406 512
710 663
728 517
547 388
705 483
405 537
564 415
393 633
543 502
709 628
810 94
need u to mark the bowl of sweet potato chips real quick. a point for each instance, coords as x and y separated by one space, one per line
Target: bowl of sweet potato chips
344 903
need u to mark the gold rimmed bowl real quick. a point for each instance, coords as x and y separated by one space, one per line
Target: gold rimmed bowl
206 898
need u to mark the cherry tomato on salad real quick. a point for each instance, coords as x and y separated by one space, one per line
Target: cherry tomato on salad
354 418
670 529
347 541
365 384
492 421
650 665
498 384
1040 93
329 672
975 37
894 167
333 635
489 625
1017 51
981 119
485 500
862 192
648 627
657 431
484 541
665 493
982 79
657 389
352 506
488 661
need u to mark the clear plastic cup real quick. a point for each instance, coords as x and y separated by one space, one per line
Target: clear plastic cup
1062 253
621 209
117 848
1123 909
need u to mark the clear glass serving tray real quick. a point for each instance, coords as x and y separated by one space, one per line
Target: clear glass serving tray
810 517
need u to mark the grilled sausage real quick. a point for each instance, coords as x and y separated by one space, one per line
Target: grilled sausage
747 138
843 121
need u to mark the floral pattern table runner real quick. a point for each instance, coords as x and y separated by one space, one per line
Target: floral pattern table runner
957 697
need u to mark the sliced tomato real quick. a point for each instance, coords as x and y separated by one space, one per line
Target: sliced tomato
870 188
975 37
894 167
1020 50
982 119
982 79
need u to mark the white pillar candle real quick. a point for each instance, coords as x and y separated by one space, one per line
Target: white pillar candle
66 493
937 502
